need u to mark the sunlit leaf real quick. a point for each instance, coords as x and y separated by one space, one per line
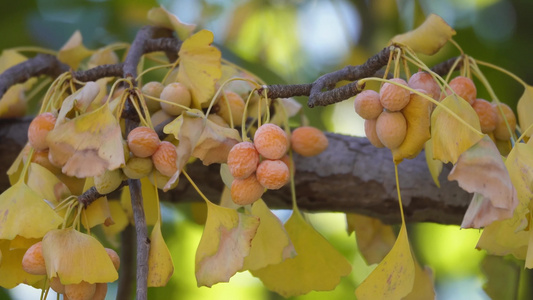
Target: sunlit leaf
104 56
46 185
423 287
74 256
25 213
160 265
271 244
73 52
96 213
199 67
450 136
11 100
225 243
374 239
317 265
481 170
11 272
80 101
394 277
215 143
501 238
151 208
429 37
503 277
87 145
524 109
22 243
159 16
434 166
120 221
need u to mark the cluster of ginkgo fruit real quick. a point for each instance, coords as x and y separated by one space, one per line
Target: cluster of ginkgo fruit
33 262
264 163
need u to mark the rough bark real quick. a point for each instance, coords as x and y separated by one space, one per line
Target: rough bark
350 176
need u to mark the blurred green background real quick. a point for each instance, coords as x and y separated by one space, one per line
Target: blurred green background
296 41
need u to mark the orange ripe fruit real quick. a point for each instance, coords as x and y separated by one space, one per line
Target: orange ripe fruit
308 141
272 174
246 191
488 116
143 141
177 93
114 257
371 134
465 88
39 128
165 158
391 128
80 291
56 285
242 160
271 141
424 81
394 97
100 291
235 110
287 160
501 131
367 104
33 260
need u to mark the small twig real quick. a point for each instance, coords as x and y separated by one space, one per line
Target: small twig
444 67
91 195
99 72
127 268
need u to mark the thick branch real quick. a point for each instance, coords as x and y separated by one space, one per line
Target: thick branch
350 176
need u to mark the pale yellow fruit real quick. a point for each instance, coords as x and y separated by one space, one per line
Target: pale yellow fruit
177 93
153 89
109 181
56 285
235 109
138 167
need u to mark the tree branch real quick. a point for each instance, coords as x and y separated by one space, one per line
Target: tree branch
127 267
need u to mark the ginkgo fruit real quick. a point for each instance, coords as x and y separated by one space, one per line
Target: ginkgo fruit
38 130
218 120
33 260
488 116
138 167
367 104
501 131
109 181
392 96
287 160
424 81
391 129
100 291
464 87
152 89
235 109
308 141
176 93
41 158
272 174
56 285
371 134
114 257
246 191
80 291
271 141
143 141
159 117
243 159
165 158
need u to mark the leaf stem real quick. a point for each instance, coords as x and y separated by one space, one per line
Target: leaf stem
399 194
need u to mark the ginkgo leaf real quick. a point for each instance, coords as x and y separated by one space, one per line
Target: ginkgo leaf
9 58
151 208
286 108
120 221
96 213
450 136
188 129
481 170
25 213
423 287
501 238
434 166
87 145
199 67
159 16
22 243
428 38
80 101
317 265
215 143
74 256
73 52
160 265
45 184
271 244
225 243
417 114
226 176
11 272
524 109
374 239
104 56
15 93
394 277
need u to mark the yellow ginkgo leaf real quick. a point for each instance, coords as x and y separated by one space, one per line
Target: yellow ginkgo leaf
74 256
11 272
9 58
423 287
45 184
80 101
417 113
215 143
225 243
73 52
481 170
151 208
22 243
271 244
160 265
120 220
434 166
450 136
87 145
104 56
317 265
374 239
16 167
427 38
11 100
501 238
25 213
524 109
199 67
394 277
159 16
96 213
